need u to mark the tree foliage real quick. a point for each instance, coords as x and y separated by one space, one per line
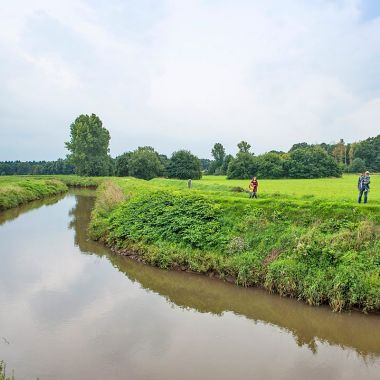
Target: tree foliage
89 146
369 151
59 166
311 163
244 166
121 164
184 165
271 165
244 147
357 166
145 163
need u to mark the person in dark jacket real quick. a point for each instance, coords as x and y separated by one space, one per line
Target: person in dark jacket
363 186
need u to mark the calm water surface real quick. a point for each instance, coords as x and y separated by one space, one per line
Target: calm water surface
71 310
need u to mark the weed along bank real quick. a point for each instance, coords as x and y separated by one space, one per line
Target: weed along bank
318 250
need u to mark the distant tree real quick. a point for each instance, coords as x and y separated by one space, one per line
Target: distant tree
327 147
339 152
89 146
144 163
205 164
165 162
369 151
121 164
226 162
299 145
244 166
357 165
219 153
244 147
271 165
277 152
311 162
351 152
36 167
184 165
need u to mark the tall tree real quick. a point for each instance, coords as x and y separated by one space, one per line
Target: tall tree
244 147
219 153
339 152
89 146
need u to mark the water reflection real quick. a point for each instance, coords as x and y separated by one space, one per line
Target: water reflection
13 213
308 325
71 310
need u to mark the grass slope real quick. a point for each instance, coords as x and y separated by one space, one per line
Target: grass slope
297 239
15 191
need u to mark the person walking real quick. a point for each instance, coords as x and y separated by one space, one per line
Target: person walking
363 186
254 184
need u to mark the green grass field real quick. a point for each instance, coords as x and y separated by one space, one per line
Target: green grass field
330 189
334 189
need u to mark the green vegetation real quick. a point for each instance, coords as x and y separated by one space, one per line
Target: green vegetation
59 166
145 163
3 375
295 240
307 162
89 146
184 165
15 191
89 156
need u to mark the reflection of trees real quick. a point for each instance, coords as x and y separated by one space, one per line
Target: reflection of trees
80 219
13 213
307 324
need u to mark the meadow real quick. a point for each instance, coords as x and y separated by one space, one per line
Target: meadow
332 189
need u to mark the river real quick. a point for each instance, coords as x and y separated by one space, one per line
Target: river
70 309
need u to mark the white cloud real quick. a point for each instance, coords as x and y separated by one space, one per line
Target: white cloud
188 73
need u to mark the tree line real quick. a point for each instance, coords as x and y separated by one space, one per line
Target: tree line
89 156
60 166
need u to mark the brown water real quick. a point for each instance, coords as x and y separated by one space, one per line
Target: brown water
71 310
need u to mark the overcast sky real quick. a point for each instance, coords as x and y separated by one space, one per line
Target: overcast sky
185 74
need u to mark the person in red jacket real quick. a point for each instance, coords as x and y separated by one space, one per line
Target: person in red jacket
254 184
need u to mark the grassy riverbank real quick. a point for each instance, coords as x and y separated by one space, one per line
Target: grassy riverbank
320 247
15 191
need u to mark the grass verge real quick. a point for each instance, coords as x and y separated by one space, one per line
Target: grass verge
17 191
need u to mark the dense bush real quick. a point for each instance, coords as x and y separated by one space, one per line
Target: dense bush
311 162
271 165
144 163
184 165
164 216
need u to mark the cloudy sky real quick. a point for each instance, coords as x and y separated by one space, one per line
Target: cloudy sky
188 73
